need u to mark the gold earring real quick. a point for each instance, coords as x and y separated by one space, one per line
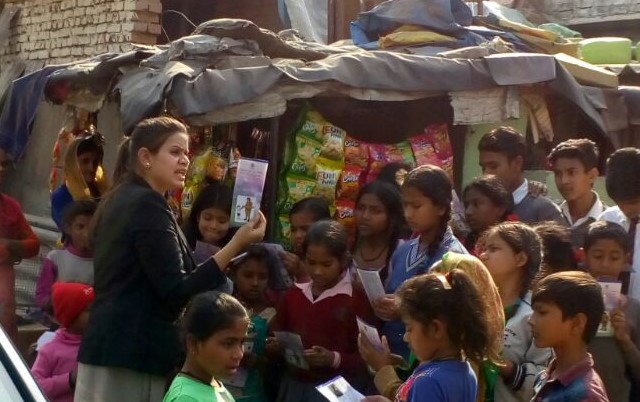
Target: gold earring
148 166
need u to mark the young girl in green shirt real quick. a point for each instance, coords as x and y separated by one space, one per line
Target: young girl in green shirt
215 326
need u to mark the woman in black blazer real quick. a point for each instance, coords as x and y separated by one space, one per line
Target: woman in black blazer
144 273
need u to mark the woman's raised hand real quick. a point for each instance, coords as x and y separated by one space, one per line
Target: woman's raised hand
252 232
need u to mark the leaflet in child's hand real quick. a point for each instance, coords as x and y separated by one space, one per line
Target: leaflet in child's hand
247 192
371 283
339 390
371 333
293 349
612 294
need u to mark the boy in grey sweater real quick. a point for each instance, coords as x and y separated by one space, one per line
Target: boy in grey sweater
502 153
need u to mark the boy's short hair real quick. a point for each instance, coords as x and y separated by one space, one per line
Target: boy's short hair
573 292
622 169
606 231
504 140
77 208
582 149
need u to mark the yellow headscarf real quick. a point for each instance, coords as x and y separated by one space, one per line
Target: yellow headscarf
74 180
487 289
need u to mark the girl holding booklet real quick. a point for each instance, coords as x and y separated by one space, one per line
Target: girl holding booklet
323 314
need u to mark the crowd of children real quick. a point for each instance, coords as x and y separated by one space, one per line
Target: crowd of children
535 302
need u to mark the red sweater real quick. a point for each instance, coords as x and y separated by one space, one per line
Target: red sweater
14 226
330 323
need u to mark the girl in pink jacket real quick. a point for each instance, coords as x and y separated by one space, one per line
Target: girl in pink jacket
56 366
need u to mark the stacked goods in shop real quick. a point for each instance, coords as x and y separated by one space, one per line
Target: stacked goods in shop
322 160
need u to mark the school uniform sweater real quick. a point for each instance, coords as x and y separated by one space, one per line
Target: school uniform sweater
409 261
328 321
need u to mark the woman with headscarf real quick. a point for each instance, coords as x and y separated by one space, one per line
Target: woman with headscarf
84 177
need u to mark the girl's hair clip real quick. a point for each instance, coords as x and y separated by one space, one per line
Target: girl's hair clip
445 281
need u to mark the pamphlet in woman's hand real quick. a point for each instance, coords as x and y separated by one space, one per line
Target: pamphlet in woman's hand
247 192
339 390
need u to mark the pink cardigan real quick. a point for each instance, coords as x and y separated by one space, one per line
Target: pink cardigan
55 361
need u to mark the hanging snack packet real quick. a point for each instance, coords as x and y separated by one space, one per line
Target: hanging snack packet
349 184
447 166
377 160
284 232
297 188
307 150
328 173
423 150
356 152
407 154
439 137
333 143
345 214
312 125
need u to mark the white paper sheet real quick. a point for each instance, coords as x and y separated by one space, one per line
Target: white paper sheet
372 284
371 333
339 390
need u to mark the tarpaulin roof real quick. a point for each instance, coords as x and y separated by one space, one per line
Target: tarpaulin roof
183 76
244 72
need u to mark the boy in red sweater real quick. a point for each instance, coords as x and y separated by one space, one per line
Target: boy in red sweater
323 313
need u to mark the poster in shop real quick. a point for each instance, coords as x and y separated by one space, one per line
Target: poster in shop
247 191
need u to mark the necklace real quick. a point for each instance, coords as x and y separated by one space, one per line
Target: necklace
376 258
194 377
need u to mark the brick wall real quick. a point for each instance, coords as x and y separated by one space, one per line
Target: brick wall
60 31
574 12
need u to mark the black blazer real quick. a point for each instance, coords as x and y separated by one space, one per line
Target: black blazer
144 276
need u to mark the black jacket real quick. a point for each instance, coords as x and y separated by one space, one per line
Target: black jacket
144 276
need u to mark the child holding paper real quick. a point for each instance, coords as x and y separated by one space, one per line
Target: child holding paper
616 355
447 327
252 276
323 314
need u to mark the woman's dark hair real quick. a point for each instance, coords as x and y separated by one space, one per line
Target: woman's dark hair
122 161
330 234
150 134
389 195
521 239
316 206
211 312
213 195
492 188
91 144
425 298
388 172
557 249
434 184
